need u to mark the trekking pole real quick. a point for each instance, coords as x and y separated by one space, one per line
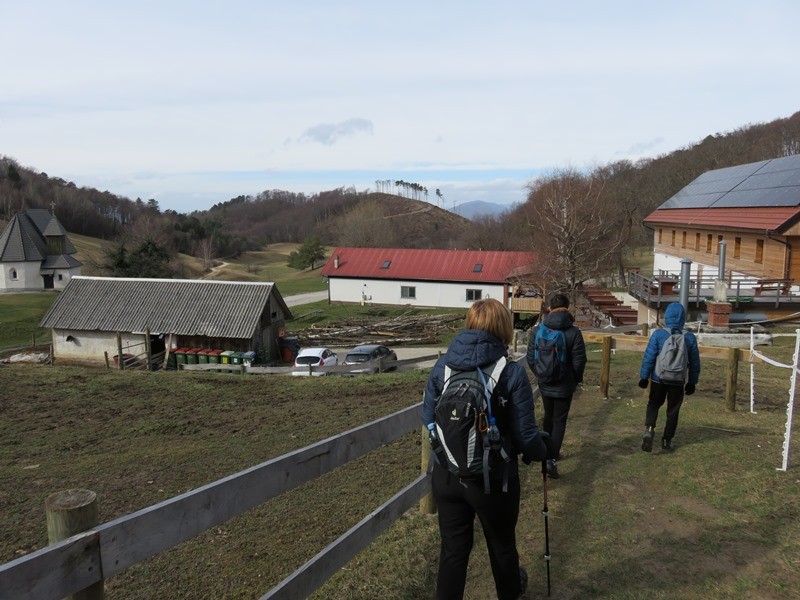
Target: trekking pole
545 512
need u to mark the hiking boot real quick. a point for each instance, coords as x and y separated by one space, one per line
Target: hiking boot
666 445
523 581
647 439
552 469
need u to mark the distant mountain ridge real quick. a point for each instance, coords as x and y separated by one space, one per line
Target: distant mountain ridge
478 208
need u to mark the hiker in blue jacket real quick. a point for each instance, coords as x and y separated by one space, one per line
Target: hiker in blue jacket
557 395
489 330
674 319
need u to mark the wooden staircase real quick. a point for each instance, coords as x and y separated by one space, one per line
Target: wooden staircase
611 306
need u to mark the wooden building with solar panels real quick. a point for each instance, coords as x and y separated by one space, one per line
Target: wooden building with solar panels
755 209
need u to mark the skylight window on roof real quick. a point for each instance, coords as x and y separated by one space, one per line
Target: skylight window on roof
477 268
386 264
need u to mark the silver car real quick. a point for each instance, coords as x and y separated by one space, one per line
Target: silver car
370 353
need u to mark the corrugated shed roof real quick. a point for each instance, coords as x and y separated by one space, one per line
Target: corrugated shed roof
765 218
185 307
430 265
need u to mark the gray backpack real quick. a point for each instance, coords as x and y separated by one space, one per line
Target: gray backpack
672 362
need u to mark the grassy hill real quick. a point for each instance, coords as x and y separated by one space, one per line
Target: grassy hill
267 265
270 265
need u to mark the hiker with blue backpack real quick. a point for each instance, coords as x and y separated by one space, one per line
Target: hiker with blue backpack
557 357
671 365
478 408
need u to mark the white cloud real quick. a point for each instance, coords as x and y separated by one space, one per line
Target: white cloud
330 133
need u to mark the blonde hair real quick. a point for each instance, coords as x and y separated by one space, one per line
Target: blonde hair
490 315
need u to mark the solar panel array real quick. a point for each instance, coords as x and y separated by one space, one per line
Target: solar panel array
773 182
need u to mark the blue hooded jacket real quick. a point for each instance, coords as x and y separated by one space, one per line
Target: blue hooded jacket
473 348
674 318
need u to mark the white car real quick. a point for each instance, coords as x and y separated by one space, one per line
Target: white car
314 357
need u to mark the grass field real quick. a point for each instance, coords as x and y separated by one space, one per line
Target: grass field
270 265
20 315
713 520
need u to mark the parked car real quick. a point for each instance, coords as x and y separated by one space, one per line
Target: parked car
369 353
316 357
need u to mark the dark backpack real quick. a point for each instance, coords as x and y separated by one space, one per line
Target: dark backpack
467 440
672 362
549 355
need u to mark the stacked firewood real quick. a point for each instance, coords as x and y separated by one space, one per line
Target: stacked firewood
403 329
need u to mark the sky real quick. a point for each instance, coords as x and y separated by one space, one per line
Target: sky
195 103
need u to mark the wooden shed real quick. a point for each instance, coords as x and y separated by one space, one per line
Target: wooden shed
167 314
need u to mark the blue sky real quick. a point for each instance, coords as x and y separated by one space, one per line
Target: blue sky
194 103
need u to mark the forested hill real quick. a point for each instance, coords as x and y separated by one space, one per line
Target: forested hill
347 217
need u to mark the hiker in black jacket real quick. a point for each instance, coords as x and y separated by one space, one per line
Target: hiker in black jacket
557 396
485 340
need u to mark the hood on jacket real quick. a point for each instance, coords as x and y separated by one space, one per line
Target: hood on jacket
675 315
473 348
559 318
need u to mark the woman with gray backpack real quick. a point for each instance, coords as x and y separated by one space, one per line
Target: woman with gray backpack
671 365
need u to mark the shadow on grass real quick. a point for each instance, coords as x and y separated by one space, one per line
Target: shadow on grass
626 532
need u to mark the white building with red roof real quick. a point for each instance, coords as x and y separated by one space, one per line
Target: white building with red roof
430 278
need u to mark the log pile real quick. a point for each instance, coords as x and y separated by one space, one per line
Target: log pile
402 329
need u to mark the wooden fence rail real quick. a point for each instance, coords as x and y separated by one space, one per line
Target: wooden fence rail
638 343
85 559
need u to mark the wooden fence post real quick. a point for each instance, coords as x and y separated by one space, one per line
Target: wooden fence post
427 505
105 353
119 352
645 329
52 358
605 366
147 348
68 513
731 379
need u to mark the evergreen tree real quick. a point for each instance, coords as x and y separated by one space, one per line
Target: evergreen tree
311 252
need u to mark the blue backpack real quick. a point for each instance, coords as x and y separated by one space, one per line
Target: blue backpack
550 354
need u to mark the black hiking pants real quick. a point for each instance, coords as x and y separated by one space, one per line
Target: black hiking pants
554 422
458 501
673 395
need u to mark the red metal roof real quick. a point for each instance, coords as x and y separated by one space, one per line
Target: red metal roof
763 218
429 265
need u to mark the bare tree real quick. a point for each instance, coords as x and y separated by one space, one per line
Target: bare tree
575 227
367 225
207 251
